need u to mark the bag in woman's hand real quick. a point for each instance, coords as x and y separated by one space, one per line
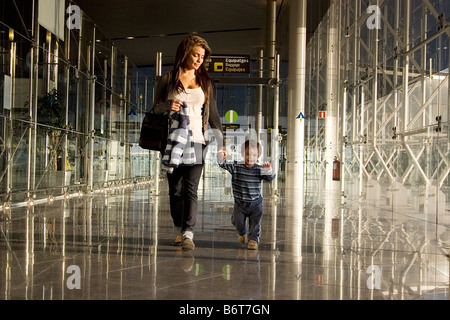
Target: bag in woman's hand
154 131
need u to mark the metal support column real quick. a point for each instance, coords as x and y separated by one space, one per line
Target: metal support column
259 96
376 42
332 186
111 103
331 121
296 96
270 52
362 139
9 124
66 67
356 89
296 131
79 163
317 102
344 138
375 85
155 154
91 114
275 131
405 109
395 126
406 112
448 107
126 133
32 100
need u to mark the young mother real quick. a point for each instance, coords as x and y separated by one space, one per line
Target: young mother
189 82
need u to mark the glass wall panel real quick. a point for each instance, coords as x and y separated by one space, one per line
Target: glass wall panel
383 112
392 98
70 110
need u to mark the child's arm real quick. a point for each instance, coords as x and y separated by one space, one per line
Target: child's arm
267 173
221 161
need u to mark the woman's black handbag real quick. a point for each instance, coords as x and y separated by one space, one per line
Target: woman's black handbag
154 131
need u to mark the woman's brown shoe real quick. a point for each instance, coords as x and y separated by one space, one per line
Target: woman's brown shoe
178 241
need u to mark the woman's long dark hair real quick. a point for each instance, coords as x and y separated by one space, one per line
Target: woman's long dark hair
202 77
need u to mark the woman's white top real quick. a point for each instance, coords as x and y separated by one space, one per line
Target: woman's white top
194 98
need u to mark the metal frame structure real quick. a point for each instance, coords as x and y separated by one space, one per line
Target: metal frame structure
378 71
361 60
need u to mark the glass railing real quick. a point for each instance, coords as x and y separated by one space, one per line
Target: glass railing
70 110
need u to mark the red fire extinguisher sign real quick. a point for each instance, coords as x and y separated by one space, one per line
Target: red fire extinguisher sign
336 169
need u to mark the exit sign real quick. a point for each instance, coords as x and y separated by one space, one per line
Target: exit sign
322 114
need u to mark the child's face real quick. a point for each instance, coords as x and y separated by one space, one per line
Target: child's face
251 156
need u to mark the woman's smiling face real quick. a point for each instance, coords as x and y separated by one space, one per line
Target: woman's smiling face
195 59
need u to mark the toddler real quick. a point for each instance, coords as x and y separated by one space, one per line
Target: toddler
247 191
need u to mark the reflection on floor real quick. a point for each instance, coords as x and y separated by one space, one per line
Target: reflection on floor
116 244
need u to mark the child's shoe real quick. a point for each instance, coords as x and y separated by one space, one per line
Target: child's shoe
241 239
252 245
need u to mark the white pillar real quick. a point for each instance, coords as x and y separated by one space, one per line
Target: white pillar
296 135
331 121
296 96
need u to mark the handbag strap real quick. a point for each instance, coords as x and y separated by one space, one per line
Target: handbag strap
166 91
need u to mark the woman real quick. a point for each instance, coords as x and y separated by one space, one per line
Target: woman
190 83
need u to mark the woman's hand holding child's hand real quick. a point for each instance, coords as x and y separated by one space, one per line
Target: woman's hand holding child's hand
222 155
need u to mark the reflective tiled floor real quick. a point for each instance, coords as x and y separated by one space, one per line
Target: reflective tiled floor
116 244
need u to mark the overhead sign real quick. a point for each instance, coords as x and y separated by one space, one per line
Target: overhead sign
230 126
228 64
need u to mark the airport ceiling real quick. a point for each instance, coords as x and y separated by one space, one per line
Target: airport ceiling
231 27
